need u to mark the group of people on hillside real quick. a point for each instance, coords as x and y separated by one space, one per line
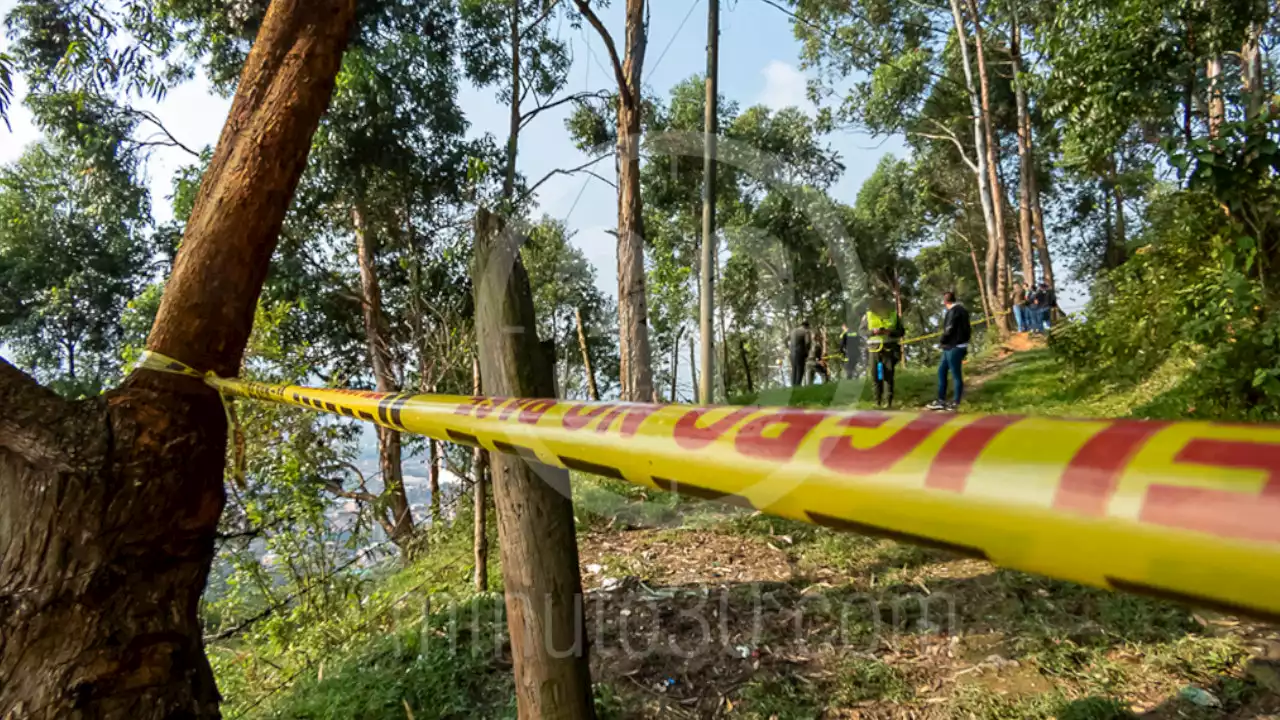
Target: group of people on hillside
1033 307
880 334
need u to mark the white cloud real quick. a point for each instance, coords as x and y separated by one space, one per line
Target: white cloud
784 86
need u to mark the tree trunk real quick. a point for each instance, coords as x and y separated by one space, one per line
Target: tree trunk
1000 288
535 513
479 467
724 342
1037 218
433 481
592 391
982 285
979 141
394 515
111 504
1026 166
675 362
1108 253
746 366
1217 104
693 369
1121 241
1251 72
636 367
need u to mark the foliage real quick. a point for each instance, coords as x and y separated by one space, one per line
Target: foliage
1198 285
563 283
73 252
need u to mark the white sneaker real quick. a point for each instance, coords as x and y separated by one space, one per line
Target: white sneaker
936 405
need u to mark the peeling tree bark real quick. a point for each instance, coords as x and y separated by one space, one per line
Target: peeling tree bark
636 371
110 505
535 514
999 288
994 234
394 514
1217 103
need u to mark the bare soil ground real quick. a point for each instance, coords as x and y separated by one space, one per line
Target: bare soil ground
759 618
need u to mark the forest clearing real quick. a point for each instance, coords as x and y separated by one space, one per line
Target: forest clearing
559 359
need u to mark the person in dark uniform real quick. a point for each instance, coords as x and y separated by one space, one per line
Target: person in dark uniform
956 333
801 343
882 331
851 347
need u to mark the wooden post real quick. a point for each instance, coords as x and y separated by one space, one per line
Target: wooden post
706 283
535 514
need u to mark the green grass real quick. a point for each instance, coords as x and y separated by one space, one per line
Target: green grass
1029 383
384 657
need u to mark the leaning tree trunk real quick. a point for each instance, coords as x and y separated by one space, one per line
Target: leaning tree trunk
994 234
111 505
535 512
1000 289
395 517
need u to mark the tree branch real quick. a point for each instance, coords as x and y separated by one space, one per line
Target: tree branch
538 20
560 171
947 135
172 141
528 117
624 91
37 424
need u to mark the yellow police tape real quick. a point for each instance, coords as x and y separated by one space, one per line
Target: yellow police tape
914 340
1187 511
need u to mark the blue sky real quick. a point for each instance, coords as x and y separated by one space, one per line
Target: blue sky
758 65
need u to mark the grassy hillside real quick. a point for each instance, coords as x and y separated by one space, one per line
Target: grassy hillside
697 610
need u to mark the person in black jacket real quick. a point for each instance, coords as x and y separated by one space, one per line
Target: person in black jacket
800 344
955 346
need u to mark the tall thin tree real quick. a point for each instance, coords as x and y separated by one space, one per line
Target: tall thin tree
633 315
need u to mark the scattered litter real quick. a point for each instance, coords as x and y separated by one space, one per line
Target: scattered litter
609 583
744 651
1198 696
594 569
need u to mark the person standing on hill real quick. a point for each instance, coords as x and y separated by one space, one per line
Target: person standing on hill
956 333
1020 308
801 343
882 331
1037 311
851 347
1050 306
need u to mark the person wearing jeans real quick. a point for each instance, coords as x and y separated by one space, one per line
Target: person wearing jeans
1020 308
956 333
